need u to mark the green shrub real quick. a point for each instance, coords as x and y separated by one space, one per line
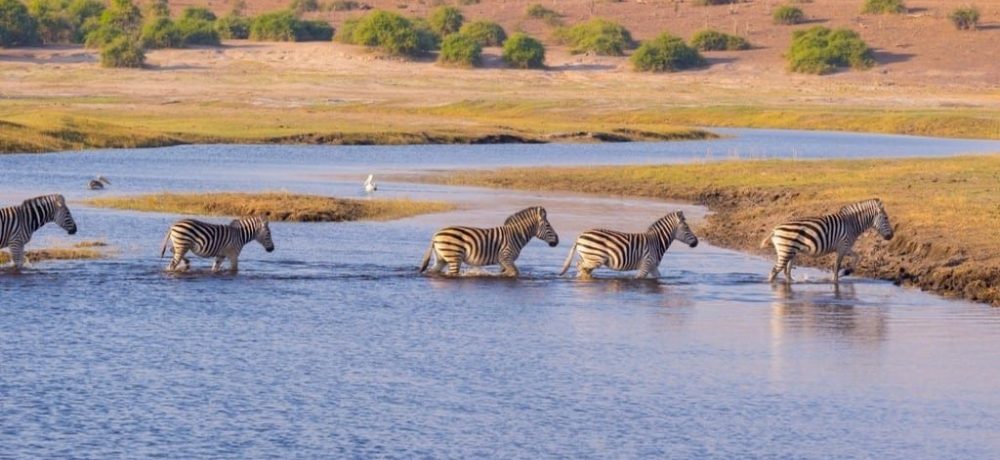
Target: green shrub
599 36
233 27
666 53
486 33
161 32
460 50
344 5
446 20
123 51
711 40
195 31
304 6
884 7
159 9
53 22
313 31
85 15
820 50
427 38
538 11
17 27
523 52
121 18
965 18
202 14
345 34
390 33
277 26
788 15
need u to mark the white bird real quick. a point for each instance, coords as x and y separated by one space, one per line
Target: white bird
370 184
99 183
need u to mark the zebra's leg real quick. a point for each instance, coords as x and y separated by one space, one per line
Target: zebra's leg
17 255
849 268
585 267
454 267
439 263
234 263
177 259
784 262
509 269
788 269
836 267
218 264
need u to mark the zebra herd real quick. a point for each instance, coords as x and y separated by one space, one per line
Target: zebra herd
452 246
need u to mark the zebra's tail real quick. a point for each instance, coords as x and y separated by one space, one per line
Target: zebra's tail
767 241
163 249
569 259
427 257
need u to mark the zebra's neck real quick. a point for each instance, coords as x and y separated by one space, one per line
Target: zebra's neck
245 232
663 232
521 231
36 215
860 219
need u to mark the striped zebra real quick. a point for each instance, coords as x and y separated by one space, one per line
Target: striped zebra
629 251
826 234
18 223
489 246
218 241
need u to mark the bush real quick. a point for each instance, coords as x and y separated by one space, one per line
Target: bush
884 7
666 53
427 38
304 6
201 14
313 31
345 34
17 27
788 15
538 11
523 52
122 18
277 26
53 24
486 33
161 32
196 31
599 36
710 40
159 9
391 33
446 20
344 5
461 50
965 18
820 50
233 27
122 52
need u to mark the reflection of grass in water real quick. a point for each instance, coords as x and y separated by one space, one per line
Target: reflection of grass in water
278 206
79 251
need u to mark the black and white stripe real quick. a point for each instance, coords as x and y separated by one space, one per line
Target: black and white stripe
218 241
629 251
826 234
489 246
18 223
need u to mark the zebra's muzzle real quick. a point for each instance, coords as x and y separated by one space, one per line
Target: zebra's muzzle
695 244
72 231
270 249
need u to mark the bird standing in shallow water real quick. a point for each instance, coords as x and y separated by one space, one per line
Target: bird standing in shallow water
370 184
99 183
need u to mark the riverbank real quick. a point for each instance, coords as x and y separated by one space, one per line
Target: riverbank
277 206
57 98
946 211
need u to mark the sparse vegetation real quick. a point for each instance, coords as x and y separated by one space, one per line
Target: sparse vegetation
390 33
537 11
820 50
123 52
486 33
161 32
598 36
284 26
468 2
197 27
304 6
65 21
77 252
966 18
884 7
666 53
711 40
17 26
788 15
446 20
460 50
121 18
277 206
197 13
524 52
344 5
233 26
345 34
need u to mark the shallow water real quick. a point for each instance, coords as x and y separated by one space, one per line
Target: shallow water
332 346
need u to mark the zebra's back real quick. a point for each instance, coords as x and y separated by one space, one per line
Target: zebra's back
202 238
476 246
618 250
812 235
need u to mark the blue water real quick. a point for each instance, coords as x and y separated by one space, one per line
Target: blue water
333 346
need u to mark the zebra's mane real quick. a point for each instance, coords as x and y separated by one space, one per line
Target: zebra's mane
674 218
860 206
532 213
44 199
246 221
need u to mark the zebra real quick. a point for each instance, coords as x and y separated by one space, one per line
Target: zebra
629 251
218 241
99 183
826 234
489 246
18 223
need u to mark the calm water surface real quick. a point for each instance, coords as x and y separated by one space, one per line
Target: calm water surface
332 346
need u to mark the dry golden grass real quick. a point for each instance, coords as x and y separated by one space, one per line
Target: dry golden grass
80 251
277 206
947 211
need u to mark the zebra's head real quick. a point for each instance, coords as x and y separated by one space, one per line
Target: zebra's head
534 218
52 208
674 226
881 221
258 228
